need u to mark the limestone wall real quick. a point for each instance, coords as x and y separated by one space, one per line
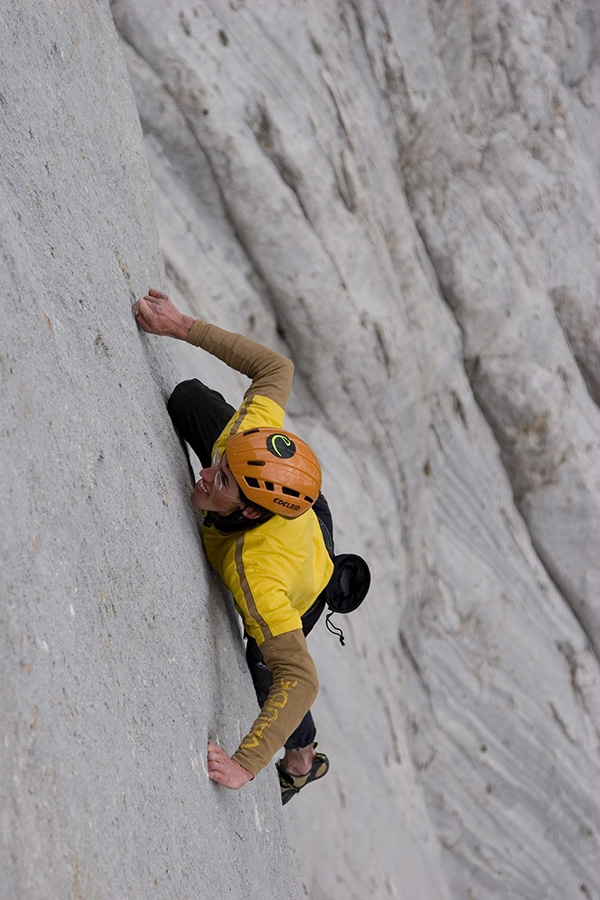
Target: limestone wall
118 654
404 198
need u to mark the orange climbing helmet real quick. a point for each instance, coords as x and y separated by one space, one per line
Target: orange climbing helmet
275 470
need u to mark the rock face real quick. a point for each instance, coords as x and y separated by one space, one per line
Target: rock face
117 652
403 198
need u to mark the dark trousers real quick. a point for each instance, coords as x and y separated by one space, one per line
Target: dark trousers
199 415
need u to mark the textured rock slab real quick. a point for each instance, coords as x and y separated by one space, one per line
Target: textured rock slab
118 655
344 183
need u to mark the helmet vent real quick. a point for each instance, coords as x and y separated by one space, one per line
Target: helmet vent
309 499
251 482
290 492
269 485
255 462
251 431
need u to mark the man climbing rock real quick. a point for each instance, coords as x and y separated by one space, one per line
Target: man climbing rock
264 530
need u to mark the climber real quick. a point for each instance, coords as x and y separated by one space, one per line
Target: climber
258 490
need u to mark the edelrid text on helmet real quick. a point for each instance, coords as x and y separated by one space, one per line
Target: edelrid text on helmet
275 469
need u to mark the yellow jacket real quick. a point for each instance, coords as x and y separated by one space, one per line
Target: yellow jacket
275 571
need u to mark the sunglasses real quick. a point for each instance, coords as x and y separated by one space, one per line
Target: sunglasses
219 483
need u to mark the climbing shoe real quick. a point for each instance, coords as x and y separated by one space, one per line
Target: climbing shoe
292 784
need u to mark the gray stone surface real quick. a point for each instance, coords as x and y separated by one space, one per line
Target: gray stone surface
404 198
118 652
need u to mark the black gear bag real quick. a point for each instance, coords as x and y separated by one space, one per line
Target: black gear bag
347 588
351 579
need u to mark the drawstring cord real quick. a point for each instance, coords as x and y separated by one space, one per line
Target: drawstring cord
334 629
